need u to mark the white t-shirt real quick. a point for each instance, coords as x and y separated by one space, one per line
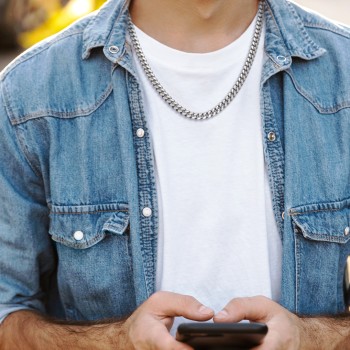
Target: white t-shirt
217 233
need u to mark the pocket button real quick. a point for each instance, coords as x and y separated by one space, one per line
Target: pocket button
78 235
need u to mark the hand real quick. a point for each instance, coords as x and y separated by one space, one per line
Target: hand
148 327
285 328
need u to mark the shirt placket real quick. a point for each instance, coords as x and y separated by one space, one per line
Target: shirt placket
147 195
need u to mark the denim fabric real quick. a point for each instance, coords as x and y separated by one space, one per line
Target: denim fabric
71 161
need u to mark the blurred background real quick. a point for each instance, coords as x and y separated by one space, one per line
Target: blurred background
25 22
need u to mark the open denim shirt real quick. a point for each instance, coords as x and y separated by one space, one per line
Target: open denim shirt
75 176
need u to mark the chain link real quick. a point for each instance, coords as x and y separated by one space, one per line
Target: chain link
230 95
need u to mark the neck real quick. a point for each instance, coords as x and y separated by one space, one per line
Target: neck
194 25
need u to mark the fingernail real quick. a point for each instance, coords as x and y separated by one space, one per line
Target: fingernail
222 314
205 310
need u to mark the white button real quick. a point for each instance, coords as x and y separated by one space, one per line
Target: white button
282 59
283 215
147 212
113 49
78 235
140 133
347 231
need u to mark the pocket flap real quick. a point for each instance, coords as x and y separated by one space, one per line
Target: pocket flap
81 227
329 222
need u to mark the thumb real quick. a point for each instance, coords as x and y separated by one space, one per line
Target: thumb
167 304
257 309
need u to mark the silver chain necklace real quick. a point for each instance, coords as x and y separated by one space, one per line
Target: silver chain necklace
230 95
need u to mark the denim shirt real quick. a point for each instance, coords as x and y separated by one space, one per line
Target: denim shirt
76 176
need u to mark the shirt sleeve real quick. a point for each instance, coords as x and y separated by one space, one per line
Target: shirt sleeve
7 310
26 251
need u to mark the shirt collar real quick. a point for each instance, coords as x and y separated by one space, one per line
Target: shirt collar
286 35
107 29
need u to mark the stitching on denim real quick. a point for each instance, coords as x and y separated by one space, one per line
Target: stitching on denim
147 239
102 40
320 109
276 168
65 115
21 143
37 50
86 50
291 213
276 24
7 101
302 27
325 237
82 245
334 30
121 13
150 162
26 153
89 212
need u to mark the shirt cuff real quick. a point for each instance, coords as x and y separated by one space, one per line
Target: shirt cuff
5 310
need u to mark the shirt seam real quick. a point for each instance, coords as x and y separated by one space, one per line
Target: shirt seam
90 212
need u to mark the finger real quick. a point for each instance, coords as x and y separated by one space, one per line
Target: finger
167 304
169 342
154 335
271 342
258 309
162 340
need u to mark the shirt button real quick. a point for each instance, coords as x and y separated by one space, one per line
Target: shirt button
78 235
283 216
271 136
347 231
140 133
113 49
147 212
282 59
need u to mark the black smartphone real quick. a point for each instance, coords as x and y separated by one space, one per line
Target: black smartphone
218 336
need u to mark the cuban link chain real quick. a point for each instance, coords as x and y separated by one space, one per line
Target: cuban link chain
230 95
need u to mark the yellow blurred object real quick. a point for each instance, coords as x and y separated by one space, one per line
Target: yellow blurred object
59 18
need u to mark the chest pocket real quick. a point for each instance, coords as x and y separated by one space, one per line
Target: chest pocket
94 271
322 236
82 227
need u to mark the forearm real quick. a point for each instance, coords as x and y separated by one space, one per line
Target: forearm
325 333
29 330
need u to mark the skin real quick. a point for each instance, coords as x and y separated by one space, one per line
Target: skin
286 330
192 26
147 328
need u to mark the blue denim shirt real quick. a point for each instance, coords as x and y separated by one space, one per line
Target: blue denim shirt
71 161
